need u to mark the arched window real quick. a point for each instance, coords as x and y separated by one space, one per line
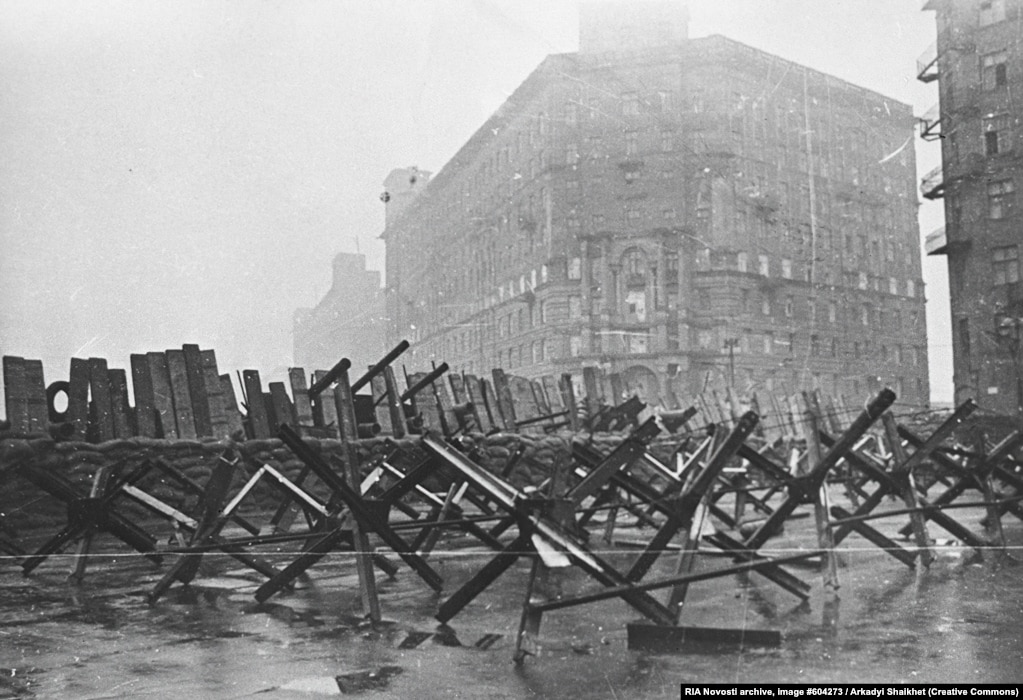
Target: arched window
634 262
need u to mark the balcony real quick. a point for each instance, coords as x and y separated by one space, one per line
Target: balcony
932 186
927 64
930 124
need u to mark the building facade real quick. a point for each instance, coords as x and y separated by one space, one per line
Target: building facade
348 322
977 62
688 215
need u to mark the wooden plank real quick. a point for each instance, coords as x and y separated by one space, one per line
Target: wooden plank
505 401
394 406
490 402
325 407
617 388
255 407
142 384
540 397
458 391
118 380
591 402
271 413
425 402
474 391
303 405
78 397
231 410
284 412
177 370
378 392
568 399
522 394
219 423
99 388
15 396
163 396
35 396
197 390
553 393
445 404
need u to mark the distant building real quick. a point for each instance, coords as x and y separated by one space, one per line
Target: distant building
978 63
685 214
348 322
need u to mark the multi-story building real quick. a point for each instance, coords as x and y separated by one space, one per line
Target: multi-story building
348 322
684 212
978 63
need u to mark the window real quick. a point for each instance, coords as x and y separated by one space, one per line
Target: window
999 198
991 11
575 268
631 143
670 214
786 268
862 282
865 314
815 345
893 285
910 288
994 71
635 303
832 312
575 306
598 221
575 345
632 262
671 263
764 265
997 134
631 176
769 343
765 306
789 306
1005 264
742 262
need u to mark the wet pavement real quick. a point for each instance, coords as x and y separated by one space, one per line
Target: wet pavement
961 621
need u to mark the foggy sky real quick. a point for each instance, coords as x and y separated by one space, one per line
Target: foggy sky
184 172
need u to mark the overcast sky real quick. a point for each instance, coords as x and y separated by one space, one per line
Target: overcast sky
183 172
